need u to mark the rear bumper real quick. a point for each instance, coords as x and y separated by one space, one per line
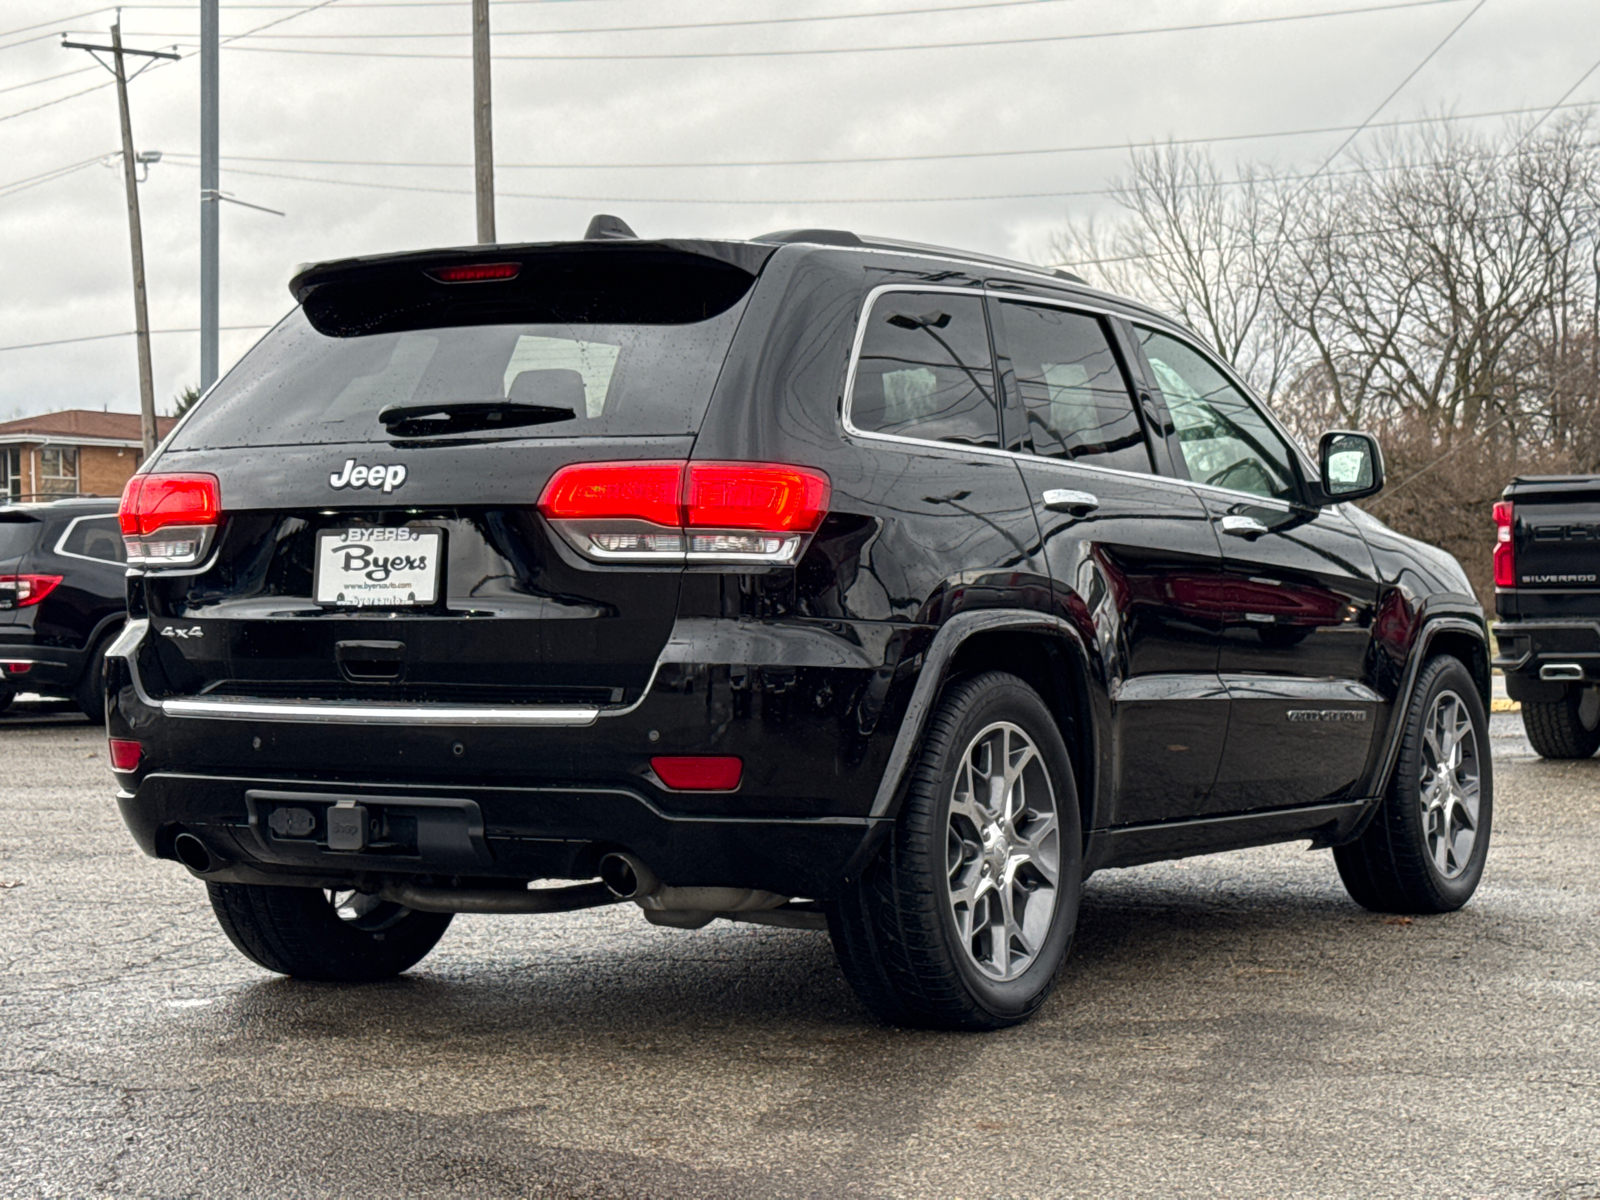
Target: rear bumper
548 796
48 669
1540 658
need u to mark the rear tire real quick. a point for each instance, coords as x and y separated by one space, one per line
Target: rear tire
1567 728
1425 848
300 931
90 694
965 916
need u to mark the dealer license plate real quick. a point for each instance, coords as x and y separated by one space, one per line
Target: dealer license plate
378 568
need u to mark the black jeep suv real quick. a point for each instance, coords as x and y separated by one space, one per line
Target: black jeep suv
62 598
804 580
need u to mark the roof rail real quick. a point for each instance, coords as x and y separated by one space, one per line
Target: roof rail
843 237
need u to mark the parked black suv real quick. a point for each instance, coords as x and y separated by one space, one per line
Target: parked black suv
63 598
1547 596
803 580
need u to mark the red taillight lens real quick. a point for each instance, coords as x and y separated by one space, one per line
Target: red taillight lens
700 512
644 491
125 754
169 520
22 591
151 502
755 496
706 773
1505 549
475 272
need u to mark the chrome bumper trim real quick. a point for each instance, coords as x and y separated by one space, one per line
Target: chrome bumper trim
334 712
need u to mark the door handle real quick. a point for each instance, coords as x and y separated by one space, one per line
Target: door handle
1079 504
1239 525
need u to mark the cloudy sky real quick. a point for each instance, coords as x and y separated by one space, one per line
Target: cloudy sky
354 117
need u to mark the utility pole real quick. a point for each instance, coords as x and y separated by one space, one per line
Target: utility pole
482 121
141 313
210 196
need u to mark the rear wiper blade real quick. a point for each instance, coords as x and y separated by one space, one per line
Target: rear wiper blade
458 416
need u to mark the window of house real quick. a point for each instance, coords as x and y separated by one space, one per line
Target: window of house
1226 442
925 370
10 473
1074 395
58 470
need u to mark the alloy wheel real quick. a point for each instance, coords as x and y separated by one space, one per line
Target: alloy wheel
1450 785
1003 851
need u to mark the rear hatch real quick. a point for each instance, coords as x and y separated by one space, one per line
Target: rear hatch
18 530
380 456
1554 567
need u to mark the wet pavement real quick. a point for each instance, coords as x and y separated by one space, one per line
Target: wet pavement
1227 1026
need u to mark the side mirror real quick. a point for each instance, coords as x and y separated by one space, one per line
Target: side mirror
1352 466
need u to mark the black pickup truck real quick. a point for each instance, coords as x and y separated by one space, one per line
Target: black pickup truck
1547 598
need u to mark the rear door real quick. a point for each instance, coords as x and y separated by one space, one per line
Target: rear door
380 457
1130 553
18 531
1301 593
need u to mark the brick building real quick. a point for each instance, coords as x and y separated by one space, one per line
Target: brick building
71 453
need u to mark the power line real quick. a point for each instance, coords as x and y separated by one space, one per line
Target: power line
48 24
17 87
901 158
500 33
19 185
1412 74
100 337
1545 115
1041 39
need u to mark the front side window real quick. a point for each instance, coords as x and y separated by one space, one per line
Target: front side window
1226 442
925 371
1074 395
58 470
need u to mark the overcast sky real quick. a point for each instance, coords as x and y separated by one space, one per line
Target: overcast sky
64 241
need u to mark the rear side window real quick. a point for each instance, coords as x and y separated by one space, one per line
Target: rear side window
300 386
1073 391
98 538
925 370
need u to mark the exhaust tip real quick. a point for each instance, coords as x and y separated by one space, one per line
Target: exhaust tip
192 853
627 877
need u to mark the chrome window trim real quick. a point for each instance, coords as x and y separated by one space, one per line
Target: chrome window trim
899 439
73 524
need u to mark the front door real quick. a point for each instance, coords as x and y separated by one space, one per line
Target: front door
1132 556
1300 593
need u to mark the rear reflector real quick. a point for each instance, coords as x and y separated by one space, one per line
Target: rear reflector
475 272
1505 550
15 668
24 591
168 520
695 512
125 754
713 773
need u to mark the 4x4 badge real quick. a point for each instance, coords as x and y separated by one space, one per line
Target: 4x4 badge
388 478
173 631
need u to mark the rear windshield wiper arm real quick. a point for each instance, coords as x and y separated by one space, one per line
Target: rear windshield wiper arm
458 416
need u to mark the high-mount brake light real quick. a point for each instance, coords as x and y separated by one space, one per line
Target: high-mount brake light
698 512
24 591
1505 549
474 272
169 520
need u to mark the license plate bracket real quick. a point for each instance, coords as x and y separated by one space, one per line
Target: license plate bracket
378 566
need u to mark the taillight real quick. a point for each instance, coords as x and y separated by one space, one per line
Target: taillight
24 591
169 520
699 773
125 754
695 512
1505 550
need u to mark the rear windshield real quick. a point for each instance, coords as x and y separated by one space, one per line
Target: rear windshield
16 536
299 386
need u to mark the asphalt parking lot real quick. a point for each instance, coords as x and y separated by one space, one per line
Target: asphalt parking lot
1228 1026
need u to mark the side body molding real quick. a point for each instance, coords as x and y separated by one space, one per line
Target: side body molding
930 681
